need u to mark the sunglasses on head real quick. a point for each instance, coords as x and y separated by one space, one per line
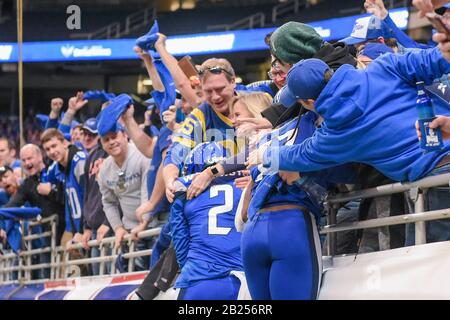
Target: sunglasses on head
214 70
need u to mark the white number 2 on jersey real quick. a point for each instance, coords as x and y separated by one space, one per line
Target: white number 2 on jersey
214 212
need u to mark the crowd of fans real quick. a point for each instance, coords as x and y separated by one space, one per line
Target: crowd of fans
238 176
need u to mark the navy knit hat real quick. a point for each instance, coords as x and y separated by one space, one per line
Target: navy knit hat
295 41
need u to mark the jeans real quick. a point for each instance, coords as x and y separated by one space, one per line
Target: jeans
435 199
95 252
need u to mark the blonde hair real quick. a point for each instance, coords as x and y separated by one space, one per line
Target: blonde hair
256 102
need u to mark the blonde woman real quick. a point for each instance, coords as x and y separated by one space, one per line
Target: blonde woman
245 106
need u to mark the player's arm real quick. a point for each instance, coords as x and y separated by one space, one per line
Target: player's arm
185 139
180 229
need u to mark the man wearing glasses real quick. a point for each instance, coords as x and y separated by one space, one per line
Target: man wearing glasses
123 183
209 122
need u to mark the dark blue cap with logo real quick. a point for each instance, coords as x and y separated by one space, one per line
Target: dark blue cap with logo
305 80
90 125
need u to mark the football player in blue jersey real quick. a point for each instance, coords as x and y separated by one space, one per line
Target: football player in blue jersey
68 169
206 242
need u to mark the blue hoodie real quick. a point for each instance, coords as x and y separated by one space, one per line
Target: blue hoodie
369 118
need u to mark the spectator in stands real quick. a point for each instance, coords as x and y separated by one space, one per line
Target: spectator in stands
68 168
123 182
8 156
95 223
249 105
35 185
89 134
402 159
8 181
218 85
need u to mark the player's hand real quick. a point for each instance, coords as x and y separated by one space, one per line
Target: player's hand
56 105
77 102
242 182
101 232
377 8
443 44
87 234
120 233
44 189
199 183
170 190
289 177
135 231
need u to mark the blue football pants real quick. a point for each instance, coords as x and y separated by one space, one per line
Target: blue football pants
282 256
226 288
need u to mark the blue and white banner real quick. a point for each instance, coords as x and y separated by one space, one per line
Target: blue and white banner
204 43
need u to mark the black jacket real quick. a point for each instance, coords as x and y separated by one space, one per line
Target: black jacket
93 214
51 204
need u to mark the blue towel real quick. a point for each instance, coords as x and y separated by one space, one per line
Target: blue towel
100 95
42 119
147 41
11 218
163 100
107 119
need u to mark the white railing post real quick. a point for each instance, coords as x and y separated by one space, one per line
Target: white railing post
131 246
420 230
53 247
28 258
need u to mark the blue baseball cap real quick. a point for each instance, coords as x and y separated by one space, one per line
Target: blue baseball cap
374 50
305 80
90 125
365 29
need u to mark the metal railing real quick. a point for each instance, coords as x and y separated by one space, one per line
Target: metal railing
257 20
132 22
283 9
416 189
18 268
